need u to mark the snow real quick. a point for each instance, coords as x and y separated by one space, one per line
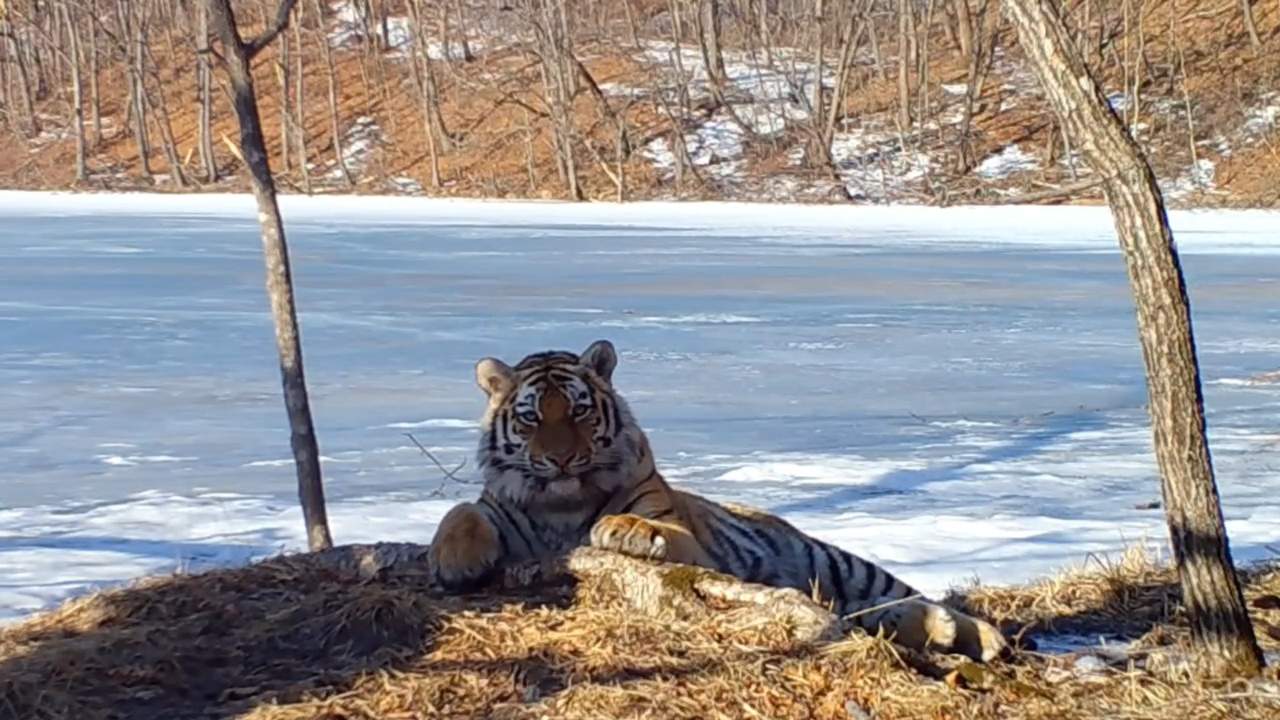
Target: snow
873 165
349 24
765 97
715 145
955 393
1198 178
1009 161
1263 118
349 27
359 142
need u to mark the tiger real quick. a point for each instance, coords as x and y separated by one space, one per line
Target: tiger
565 464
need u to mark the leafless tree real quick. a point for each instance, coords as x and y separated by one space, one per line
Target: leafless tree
77 91
18 57
237 54
204 83
1246 13
1210 589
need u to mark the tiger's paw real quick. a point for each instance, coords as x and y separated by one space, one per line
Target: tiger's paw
465 549
630 535
922 625
979 639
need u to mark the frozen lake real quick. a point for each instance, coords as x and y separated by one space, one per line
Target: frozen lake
955 393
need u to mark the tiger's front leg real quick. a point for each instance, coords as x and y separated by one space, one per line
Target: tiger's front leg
641 537
466 548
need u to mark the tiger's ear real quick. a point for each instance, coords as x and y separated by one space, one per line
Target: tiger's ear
494 376
602 358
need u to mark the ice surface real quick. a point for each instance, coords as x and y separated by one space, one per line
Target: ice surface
954 393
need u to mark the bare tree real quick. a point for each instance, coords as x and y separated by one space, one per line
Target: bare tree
170 146
131 36
964 27
335 130
25 92
237 55
978 66
548 22
77 92
906 38
204 82
298 121
1246 12
1210 588
95 98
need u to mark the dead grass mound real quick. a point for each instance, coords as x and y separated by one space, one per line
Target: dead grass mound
301 637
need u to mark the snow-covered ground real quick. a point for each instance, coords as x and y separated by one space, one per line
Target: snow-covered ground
955 393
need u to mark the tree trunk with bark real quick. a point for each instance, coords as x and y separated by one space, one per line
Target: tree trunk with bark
299 119
1210 588
95 99
161 112
24 78
1246 12
905 38
133 35
204 82
77 93
237 55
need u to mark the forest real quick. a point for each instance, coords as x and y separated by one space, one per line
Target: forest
920 101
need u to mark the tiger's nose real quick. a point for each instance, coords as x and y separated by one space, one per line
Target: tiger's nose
561 461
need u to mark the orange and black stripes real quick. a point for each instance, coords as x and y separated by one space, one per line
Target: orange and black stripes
611 495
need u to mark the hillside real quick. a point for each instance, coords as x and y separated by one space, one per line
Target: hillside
530 99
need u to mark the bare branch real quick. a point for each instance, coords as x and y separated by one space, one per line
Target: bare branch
281 23
448 474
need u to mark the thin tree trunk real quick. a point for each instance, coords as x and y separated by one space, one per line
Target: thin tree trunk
77 99
170 146
922 63
306 454
132 37
849 48
904 65
467 55
964 27
6 83
177 175
819 64
204 78
95 98
876 54
982 54
331 75
286 104
24 81
426 91
299 120
1246 11
707 23
1210 588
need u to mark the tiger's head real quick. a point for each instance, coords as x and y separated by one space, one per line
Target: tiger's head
555 435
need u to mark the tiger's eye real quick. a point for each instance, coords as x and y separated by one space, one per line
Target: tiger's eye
528 417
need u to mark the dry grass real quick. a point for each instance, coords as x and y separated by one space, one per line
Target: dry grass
293 638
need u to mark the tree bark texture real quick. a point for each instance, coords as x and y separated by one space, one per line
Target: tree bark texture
237 56
77 93
1210 588
204 81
